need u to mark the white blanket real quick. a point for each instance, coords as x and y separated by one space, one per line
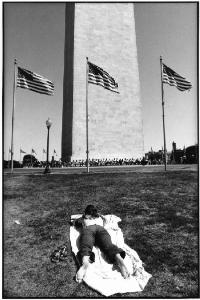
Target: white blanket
103 277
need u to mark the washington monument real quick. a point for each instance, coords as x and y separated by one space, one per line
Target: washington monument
105 33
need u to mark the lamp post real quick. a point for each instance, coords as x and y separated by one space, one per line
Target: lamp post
47 168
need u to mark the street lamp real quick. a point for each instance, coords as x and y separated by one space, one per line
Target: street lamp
47 168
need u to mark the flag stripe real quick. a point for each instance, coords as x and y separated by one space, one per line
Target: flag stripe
105 87
34 88
104 79
103 82
100 77
34 82
181 87
171 80
174 79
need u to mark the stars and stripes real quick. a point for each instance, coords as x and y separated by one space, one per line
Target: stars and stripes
22 151
172 78
98 76
34 82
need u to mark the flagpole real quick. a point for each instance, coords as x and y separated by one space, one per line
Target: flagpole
87 143
13 116
163 113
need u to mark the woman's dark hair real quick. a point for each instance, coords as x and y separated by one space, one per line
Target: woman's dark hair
92 211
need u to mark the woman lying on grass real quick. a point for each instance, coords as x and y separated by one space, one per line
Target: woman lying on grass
92 234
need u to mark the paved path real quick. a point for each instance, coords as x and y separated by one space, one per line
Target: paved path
107 169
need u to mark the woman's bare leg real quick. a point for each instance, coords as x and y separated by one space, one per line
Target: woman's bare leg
120 262
81 272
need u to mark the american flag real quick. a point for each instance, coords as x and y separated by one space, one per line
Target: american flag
98 76
33 151
22 151
34 82
172 78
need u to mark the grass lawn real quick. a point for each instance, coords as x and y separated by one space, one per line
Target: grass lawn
159 213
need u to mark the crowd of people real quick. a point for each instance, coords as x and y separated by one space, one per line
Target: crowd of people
185 156
83 163
104 162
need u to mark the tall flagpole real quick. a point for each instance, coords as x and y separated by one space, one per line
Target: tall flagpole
13 116
87 143
163 113
31 157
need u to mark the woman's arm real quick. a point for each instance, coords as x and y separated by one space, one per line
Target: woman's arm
103 218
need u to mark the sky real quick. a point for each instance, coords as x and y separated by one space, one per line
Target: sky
33 33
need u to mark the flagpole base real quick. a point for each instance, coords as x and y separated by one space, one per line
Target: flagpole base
47 170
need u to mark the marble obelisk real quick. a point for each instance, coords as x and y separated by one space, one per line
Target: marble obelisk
105 33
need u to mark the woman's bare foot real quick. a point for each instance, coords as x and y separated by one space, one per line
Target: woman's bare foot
82 271
120 262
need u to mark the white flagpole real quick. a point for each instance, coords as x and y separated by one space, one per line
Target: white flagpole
87 143
162 91
13 116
